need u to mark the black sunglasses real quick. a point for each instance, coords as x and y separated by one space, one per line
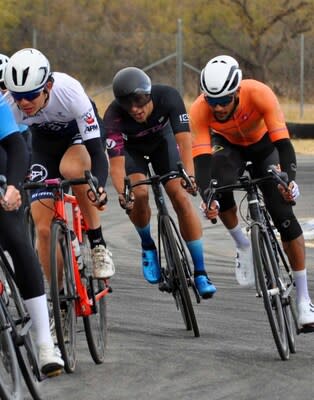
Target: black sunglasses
29 96
219 101
134 99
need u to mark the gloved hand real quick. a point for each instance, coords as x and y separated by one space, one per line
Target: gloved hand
291 194
294 190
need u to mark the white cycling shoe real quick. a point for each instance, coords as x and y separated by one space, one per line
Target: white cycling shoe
244 268
305 312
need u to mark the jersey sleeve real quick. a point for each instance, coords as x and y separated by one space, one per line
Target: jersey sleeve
272 113
8 124
199 122
178 115
114 138
82 110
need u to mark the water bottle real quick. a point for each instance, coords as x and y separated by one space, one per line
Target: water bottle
77 250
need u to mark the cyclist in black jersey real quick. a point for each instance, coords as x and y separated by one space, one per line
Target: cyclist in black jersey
146 120
14 239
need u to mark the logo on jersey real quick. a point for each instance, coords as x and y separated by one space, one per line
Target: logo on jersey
88 118
110 144
217 148
184 118
38 173
161 119
91 123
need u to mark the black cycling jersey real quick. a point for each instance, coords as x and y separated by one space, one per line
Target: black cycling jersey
122 130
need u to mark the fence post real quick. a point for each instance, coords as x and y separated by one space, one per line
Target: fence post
179 53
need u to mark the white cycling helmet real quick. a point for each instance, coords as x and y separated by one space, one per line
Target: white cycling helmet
221 76
3 63
27 70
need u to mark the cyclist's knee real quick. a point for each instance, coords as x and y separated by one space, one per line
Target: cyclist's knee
289 228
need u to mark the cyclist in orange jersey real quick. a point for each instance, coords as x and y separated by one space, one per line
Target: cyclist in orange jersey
235 121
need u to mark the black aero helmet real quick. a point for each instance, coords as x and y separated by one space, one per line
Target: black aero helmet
131 80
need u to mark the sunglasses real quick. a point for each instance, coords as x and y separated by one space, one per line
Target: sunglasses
29 96
219 101
134 100
2 86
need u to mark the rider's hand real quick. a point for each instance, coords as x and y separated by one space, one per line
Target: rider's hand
102 199
191 190
292 193
126 205
212 212
12 199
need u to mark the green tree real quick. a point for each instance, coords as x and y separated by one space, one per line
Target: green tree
255 32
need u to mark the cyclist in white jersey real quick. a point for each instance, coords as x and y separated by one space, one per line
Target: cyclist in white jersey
14 239
66 141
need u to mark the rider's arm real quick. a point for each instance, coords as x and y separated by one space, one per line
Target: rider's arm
17 158
117 172
202 164
277 129
98 159
287 157
184 143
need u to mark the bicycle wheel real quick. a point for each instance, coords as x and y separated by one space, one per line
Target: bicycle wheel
180 290
10 379
95 325
25 348
265 264
63 293
286 284
30 227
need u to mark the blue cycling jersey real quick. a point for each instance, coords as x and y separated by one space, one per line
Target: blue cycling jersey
8 124
23 128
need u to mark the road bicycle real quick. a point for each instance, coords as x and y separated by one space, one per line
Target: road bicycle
73 290
18 353
273 274
176 275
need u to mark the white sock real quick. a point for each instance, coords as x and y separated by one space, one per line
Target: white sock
240 239
300 278
38 311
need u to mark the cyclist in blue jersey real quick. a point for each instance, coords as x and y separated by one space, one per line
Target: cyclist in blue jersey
23 128
14 239
146 120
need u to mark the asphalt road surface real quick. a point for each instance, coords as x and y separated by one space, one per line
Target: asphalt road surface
150 356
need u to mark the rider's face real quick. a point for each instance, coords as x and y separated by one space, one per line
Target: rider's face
141 113
31 107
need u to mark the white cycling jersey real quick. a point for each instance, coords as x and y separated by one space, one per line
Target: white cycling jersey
68 110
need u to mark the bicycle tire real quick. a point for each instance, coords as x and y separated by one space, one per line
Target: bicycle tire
287 283
30 226
264 260
25 348
185 261
10 378
180 290
95 325
63 293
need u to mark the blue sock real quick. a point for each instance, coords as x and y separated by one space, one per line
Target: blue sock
146 238
196 250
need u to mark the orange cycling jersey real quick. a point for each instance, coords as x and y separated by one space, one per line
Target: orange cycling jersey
258 112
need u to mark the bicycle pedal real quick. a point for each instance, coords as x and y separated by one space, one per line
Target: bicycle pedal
164 287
